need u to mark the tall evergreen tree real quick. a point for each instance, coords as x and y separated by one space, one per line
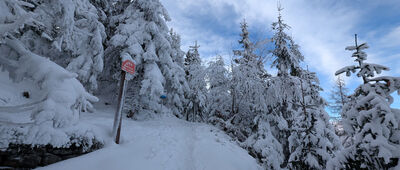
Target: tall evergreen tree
218 97
248 86
296 110
312 141
249 122
368 118
195 75
74 33
140 31
284 91
338 96
177 53
286 51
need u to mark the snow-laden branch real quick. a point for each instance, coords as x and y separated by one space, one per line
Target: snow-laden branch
369 70
366 70
360 47
392 82
64 95
347 69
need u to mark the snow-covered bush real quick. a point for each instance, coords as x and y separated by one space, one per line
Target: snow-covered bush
38 39
63 96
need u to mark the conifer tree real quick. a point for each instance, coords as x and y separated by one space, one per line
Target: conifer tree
263 146
283 92
177 53
286 52
218 97
249 122
368 118
248 85
195 76
312 141
338 96
140 31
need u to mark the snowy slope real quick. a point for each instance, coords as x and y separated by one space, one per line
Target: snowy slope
165 144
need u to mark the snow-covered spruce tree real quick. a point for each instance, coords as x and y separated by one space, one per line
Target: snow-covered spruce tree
249 121
338 96
218 97
195 75
66 31
312 141
286 52
283 93
247 54
248 86
368 118
140 31
177 53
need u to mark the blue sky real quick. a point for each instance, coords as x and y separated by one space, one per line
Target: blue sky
323 28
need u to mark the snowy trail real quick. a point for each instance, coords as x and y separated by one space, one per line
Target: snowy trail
166 144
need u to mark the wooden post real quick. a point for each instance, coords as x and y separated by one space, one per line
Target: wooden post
128 65
118 114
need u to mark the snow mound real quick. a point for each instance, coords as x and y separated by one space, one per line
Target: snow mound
165 144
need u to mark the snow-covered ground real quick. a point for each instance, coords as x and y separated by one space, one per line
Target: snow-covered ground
164 144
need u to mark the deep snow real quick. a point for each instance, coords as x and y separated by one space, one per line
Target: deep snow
164 144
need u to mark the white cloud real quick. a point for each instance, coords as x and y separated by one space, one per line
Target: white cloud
322 28
211 43
319 28
392 39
